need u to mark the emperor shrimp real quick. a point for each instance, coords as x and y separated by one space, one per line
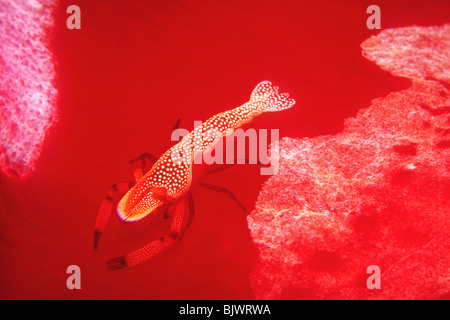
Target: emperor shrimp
168 182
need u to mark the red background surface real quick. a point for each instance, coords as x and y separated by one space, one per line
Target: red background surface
124 79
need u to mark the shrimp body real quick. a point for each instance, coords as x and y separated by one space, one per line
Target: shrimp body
171 176
168 182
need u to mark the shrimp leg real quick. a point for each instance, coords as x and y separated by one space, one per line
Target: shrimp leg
223 190
117 190
143 157
181 209
107 206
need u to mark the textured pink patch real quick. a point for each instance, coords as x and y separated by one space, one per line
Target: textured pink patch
375 194
26 73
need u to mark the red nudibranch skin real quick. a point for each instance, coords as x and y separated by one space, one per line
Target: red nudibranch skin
27 89
171 176
376 193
